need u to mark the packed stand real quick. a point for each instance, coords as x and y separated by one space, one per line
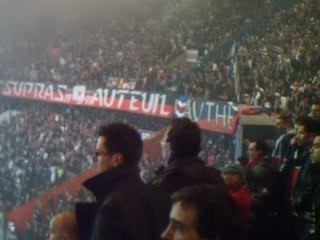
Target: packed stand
278 66
136 54
50 150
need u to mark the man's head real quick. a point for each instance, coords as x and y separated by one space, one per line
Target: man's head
257 148
63 226
283 121
201 212
234 177
306 129
184 138
315 150
118 145
315 111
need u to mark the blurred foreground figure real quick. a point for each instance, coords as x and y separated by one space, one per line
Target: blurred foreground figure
125 208
202 212
63 226
314 188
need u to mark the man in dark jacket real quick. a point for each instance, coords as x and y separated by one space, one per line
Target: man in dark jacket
125 208
184 168
296 175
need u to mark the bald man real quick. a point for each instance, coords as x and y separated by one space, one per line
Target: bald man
63 226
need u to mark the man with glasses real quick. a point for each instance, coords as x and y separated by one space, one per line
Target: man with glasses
125 207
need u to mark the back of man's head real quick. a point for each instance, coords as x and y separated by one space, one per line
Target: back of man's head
184 138
124 139
63 226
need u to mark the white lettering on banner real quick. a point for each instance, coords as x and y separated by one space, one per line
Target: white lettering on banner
134 100
218 115
210 105
60 92
121 98
96 97
163 105
127 100
48 92
150 103
8 89
39 94
78 93
111 99
194 108
27 90
17 89
155 104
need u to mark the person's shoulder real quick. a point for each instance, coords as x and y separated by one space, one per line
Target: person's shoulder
164 175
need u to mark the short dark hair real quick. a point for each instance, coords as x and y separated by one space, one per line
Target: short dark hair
217 217
316 101
310 125
124 139
184 137
262 146
285 115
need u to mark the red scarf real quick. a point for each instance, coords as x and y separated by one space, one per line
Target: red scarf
254 161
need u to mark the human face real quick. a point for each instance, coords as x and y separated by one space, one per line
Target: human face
315 111
55 231
102 156
302 136
182 223
252 151
315 150
280 123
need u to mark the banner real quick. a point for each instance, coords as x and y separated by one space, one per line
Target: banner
151 104
216 116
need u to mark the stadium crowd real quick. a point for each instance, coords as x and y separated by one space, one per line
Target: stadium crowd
276 68
139 53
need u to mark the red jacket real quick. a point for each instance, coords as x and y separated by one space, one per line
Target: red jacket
243 202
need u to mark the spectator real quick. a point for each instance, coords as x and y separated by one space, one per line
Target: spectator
315 111
314 188
184 167
295 173
284 123
202 212
118 151
64 226
258 152
235 180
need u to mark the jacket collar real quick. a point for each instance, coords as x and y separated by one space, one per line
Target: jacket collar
105 182
183 161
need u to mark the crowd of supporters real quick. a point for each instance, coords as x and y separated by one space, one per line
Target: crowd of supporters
276 67
139 52
41 146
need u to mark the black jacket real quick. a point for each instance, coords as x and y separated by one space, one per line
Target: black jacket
184 172
126 208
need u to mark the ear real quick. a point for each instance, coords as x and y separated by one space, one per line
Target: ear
117 159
